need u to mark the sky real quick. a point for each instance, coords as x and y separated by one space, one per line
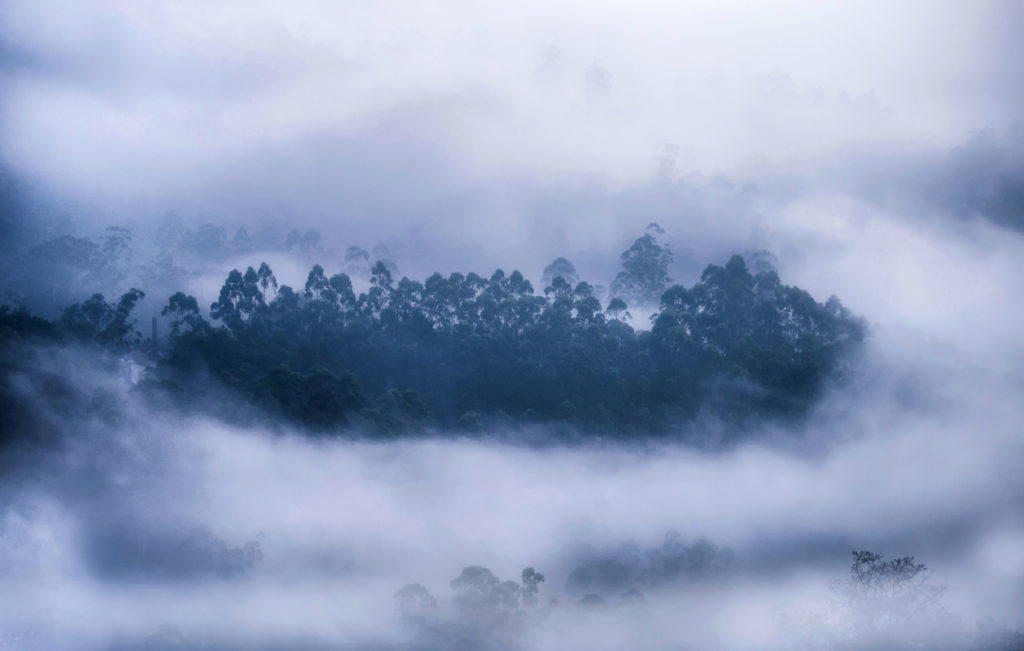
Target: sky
467 124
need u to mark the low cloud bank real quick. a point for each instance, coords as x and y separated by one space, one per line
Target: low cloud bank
148 529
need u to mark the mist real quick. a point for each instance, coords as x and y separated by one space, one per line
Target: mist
137 527
455 130
366 457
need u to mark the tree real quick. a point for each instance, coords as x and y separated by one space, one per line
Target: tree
752 343
318 286
320 400
97 322
184 313
115 255
19 323
240 298
889 600
483 599
559 287
170 234
617 309
241 243
488 613
586 305
209 241
53 273
377 299
307 242
644 276
342 286
413 600
560 268
266 278
382 254
531 586
357 261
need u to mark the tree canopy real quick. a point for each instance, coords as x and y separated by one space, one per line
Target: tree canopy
644 276
469 352
462 350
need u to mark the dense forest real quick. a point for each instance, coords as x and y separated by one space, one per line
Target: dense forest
469 352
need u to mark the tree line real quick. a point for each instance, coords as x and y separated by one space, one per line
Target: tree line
468 352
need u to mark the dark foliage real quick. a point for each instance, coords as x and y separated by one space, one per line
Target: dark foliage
644 274
97 322
128 552
628 572
470 352
463 350
487 613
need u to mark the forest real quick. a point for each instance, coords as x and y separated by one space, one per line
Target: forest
469 352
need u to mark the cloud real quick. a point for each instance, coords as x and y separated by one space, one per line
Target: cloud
151 104
139 520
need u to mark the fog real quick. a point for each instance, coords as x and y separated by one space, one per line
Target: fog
477 133
875 152
124 532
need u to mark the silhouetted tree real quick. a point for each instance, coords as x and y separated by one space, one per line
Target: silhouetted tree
889 601
96 321
644 276
560 268
183 311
